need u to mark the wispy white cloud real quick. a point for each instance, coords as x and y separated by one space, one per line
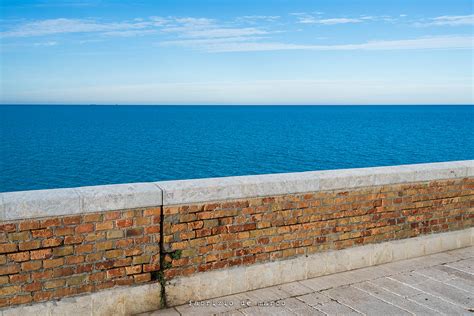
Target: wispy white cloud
62 25
208 28
306 18
449 20
338 21
229 45
130 33
49 43
254 19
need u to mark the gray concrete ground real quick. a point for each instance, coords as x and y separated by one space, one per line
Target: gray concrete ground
432 285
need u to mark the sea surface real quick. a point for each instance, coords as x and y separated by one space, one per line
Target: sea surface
54 146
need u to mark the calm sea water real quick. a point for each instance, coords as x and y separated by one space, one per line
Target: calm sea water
67 146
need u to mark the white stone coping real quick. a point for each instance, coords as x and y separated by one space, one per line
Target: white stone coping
215 189
56 202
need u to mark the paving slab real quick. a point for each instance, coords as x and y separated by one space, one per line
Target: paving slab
336 308
397 300
436 288
363 302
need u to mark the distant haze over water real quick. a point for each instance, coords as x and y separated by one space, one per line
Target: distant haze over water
52 146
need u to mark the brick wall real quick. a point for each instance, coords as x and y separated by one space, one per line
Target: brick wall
202 237
51 258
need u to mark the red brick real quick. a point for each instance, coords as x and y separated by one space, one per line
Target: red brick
52 242
74 259
21 299
41 254
104 226
11 269
42 296
133 269
122 223
19 256
29 245
60 272
50 222
70 240
19 278
42 233
72 220
8 228
112 215
84 228
152 212
31 265
135 232
64 231
53 263
28 225
115 273
9 290
84 248
32 287
42 275
6 248
92 218
142 278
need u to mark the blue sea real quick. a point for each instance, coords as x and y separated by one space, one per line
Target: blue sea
53 146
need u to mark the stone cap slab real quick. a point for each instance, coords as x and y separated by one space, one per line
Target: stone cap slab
57 202
217 189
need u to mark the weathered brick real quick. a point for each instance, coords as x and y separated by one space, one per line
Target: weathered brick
19 278
141 259
113 253
28 225
29 245
63 251
123 223
84 228
9 269
7 228
64 231
9 290
104 245
92 218
52 242
54 284
42 296
50 223
115 273
53 263
72 220
79 249
19 256
21 299
42 233
114 234
31 265
104 225
41 254
74 259
135 232
6 248
19 236
142 278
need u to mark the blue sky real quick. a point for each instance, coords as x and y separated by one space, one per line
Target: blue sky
237 52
